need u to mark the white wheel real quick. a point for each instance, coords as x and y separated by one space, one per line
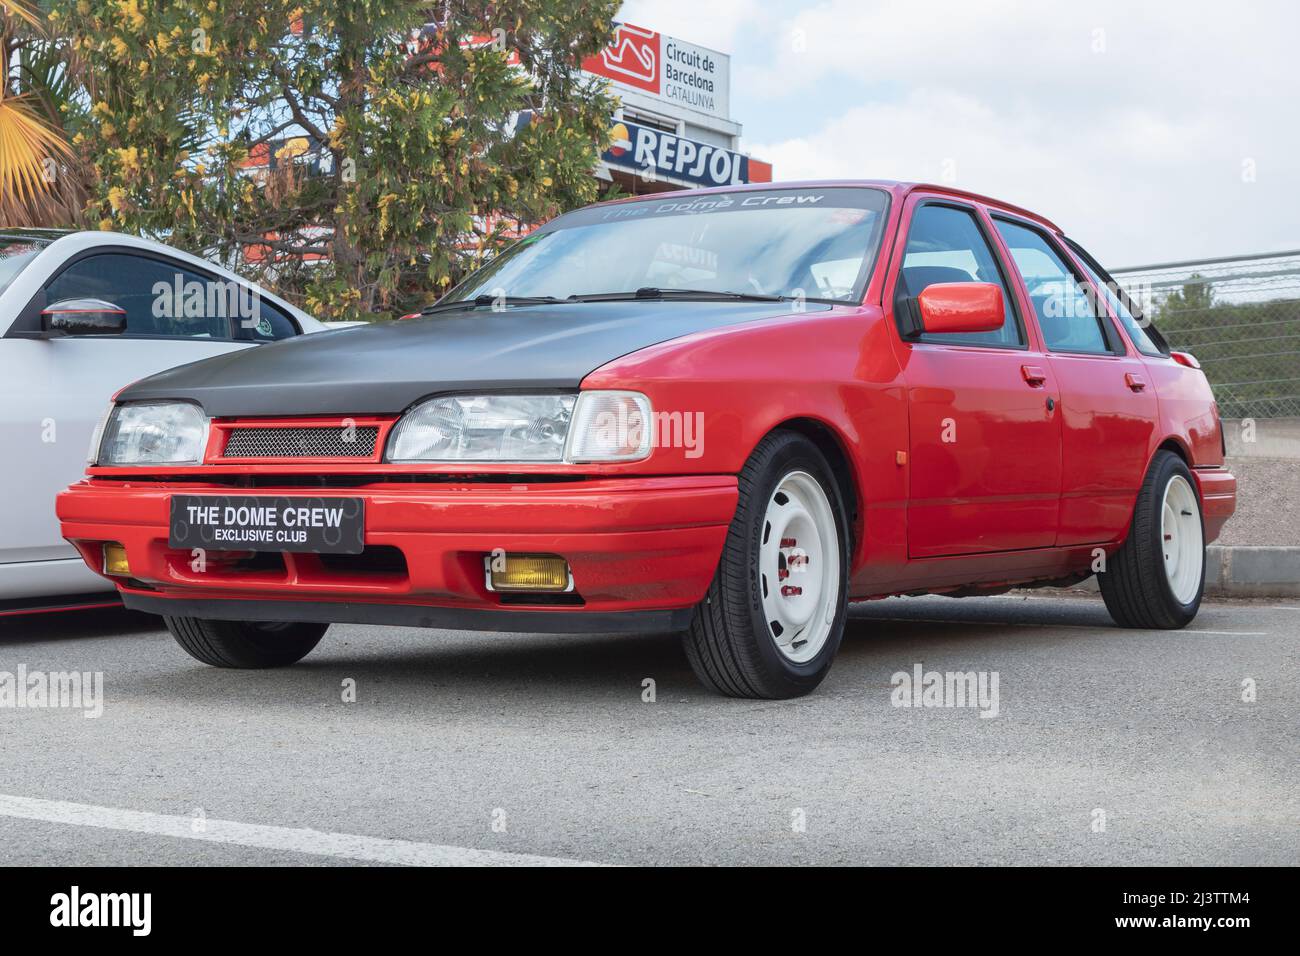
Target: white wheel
773 617
799 567
1180 530
1156 577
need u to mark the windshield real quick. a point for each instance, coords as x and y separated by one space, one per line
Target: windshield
14 255
815 244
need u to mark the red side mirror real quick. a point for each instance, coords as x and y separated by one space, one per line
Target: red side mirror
961 307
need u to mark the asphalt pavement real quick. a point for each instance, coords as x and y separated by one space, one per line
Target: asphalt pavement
1100 746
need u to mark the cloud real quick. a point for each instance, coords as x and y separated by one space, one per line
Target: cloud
714 23
1135 126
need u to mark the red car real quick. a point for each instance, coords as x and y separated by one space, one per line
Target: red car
721 412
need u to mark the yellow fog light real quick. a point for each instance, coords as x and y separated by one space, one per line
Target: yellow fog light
115 560
527 572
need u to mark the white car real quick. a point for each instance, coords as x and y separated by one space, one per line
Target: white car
82 315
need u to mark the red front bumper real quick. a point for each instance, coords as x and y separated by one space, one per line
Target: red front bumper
633 544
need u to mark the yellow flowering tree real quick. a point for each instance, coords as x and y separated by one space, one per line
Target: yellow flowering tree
356 155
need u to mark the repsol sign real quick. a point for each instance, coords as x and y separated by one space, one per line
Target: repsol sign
654 154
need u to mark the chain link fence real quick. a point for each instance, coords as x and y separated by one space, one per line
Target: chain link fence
1240 317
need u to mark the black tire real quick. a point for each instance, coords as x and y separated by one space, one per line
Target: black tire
729 644
1134 584
245 644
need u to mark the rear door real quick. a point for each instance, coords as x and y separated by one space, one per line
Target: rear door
1108 400
984 447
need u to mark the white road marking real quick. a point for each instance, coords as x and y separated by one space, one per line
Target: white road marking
975 623
346 846
1048 626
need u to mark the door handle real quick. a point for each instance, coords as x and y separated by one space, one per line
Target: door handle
1135 382
1034 375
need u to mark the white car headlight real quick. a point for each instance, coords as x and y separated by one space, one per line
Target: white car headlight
484 428
611 426
154 433
589 427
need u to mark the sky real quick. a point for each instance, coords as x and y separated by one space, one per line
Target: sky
1148 130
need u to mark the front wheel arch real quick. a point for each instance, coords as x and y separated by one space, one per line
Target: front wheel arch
833 447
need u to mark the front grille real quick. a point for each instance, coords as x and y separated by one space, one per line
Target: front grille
314 442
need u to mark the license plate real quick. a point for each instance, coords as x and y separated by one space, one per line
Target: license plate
265 523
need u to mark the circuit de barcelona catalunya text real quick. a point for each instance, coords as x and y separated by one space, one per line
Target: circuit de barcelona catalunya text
722 412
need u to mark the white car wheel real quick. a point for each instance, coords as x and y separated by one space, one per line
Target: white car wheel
774 614
1157 576
799 570
1184 551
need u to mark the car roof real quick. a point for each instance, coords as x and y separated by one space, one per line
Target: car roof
70 241
899 190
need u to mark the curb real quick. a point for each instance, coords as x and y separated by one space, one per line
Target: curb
1269 438
1246 572
1252 572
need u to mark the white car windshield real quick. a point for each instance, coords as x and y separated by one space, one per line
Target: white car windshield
811 243
15 254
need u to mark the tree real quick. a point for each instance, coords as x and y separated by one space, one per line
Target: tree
355 155
41 180
1197 294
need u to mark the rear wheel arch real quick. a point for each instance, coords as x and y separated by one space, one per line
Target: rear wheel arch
1177 447
1170 444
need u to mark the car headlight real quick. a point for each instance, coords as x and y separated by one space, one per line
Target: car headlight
592 426
484 428
154 433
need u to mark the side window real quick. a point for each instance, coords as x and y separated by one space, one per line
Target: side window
1144 339
269 324
945 244
160 298
1067 313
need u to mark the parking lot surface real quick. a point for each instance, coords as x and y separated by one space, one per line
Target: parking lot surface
1101 746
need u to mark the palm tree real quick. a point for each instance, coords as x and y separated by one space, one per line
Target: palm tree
41 182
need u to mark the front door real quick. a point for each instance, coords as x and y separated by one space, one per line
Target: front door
985 441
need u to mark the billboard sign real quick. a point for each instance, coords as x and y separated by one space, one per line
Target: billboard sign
686 75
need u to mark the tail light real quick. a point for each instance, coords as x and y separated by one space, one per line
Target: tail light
1185 358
